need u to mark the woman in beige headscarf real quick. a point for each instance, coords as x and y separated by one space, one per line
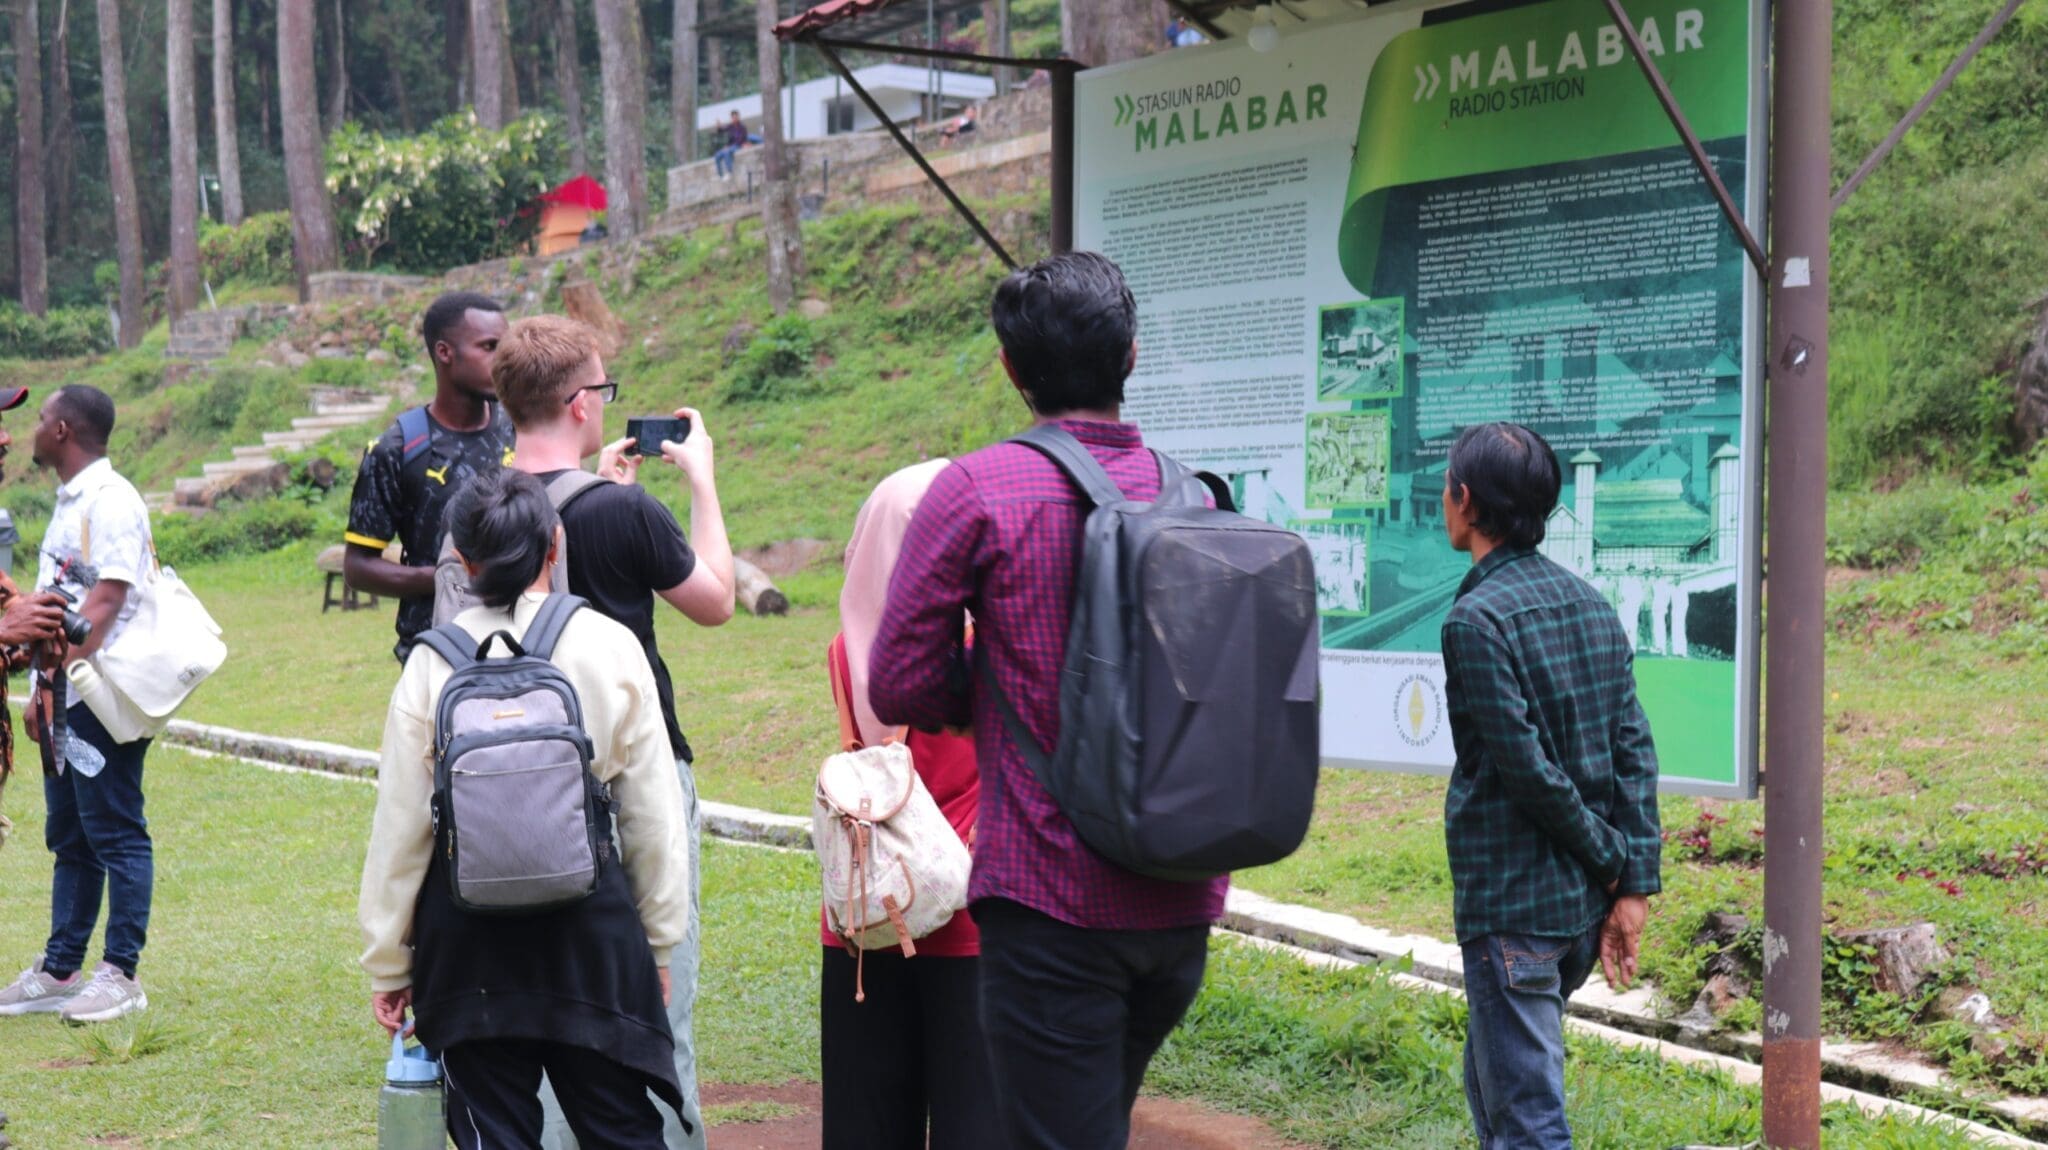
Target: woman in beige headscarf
909 1056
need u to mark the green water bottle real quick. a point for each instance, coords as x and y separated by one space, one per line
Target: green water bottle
412 1113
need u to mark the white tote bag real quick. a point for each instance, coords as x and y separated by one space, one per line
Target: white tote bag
168 647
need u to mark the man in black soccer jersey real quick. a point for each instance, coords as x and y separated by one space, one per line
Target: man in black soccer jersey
411 471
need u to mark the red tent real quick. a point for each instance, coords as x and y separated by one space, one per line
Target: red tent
582 192
565 212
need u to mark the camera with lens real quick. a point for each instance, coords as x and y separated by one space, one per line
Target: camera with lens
77 628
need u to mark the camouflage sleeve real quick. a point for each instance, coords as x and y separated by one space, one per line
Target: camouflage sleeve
374 511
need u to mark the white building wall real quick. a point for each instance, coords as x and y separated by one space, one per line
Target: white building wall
899 88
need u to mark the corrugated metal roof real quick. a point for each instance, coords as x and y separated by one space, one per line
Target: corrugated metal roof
827 14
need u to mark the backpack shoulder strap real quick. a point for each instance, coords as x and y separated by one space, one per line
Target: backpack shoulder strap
570 486
1066 452
450 642
1218 488
415 434
546 629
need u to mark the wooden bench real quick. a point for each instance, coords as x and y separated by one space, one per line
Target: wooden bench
330 564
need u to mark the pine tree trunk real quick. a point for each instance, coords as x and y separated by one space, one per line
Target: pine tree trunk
714 67
30 222
121 173
455 47
682 89
227 148
337 74
997 30
778 202
487 64
1099 32
510 68
625 117
569 80
60 147
313 236
184 142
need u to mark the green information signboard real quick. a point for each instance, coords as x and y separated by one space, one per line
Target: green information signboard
1348 249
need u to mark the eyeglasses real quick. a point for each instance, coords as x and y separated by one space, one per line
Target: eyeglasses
609 389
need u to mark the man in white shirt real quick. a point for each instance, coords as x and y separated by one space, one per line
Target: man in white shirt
98 550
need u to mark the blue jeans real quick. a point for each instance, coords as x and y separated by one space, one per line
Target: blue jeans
1516 986
96 829
723 158
682 1003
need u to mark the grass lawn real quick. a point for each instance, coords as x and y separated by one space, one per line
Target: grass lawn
259 1032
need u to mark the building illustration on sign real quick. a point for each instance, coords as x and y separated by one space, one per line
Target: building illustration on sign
1653 552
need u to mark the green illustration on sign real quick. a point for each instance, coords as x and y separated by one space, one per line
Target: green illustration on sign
1358 350
1347 460
1343 558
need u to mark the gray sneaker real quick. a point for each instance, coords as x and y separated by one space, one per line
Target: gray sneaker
108 996
37 993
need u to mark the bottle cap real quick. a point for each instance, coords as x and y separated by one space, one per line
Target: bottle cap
410 1066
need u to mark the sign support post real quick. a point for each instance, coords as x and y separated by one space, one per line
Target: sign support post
1795 656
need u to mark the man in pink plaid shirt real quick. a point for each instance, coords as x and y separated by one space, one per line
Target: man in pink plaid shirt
1086 967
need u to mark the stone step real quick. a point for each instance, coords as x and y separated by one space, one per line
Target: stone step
326 423
261 452
293 440
158 501
233 468
357 411
192 486
190 354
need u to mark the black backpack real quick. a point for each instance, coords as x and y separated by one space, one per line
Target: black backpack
523 822
1190 738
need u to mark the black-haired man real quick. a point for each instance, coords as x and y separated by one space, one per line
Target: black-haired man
1551 817
410 472
1113 956
98 549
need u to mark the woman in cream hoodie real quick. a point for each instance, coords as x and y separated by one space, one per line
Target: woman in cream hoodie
578 992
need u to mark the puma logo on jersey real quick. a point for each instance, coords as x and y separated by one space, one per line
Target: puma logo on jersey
441 476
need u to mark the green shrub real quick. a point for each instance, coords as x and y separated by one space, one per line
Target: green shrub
452 195
777 362
1959 558
1872 531
243 529
257 252
64 333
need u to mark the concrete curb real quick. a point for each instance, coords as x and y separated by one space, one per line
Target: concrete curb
1857 1071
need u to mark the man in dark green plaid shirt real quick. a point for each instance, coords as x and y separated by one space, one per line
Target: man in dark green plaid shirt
1551 816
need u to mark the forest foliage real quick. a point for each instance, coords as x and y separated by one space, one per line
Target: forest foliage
1938 259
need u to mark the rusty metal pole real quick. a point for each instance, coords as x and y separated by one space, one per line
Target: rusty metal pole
1795 657
1062 160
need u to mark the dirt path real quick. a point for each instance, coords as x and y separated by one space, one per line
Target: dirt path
1160 1123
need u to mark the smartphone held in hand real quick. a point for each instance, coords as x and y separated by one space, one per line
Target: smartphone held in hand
649 431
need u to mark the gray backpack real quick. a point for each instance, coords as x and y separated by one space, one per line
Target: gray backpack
521 822
1190 741
452 595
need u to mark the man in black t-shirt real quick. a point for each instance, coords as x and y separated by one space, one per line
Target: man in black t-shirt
410 472
625 551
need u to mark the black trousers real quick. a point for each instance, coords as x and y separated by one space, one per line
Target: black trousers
1073 1018
494 1097
909 1057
